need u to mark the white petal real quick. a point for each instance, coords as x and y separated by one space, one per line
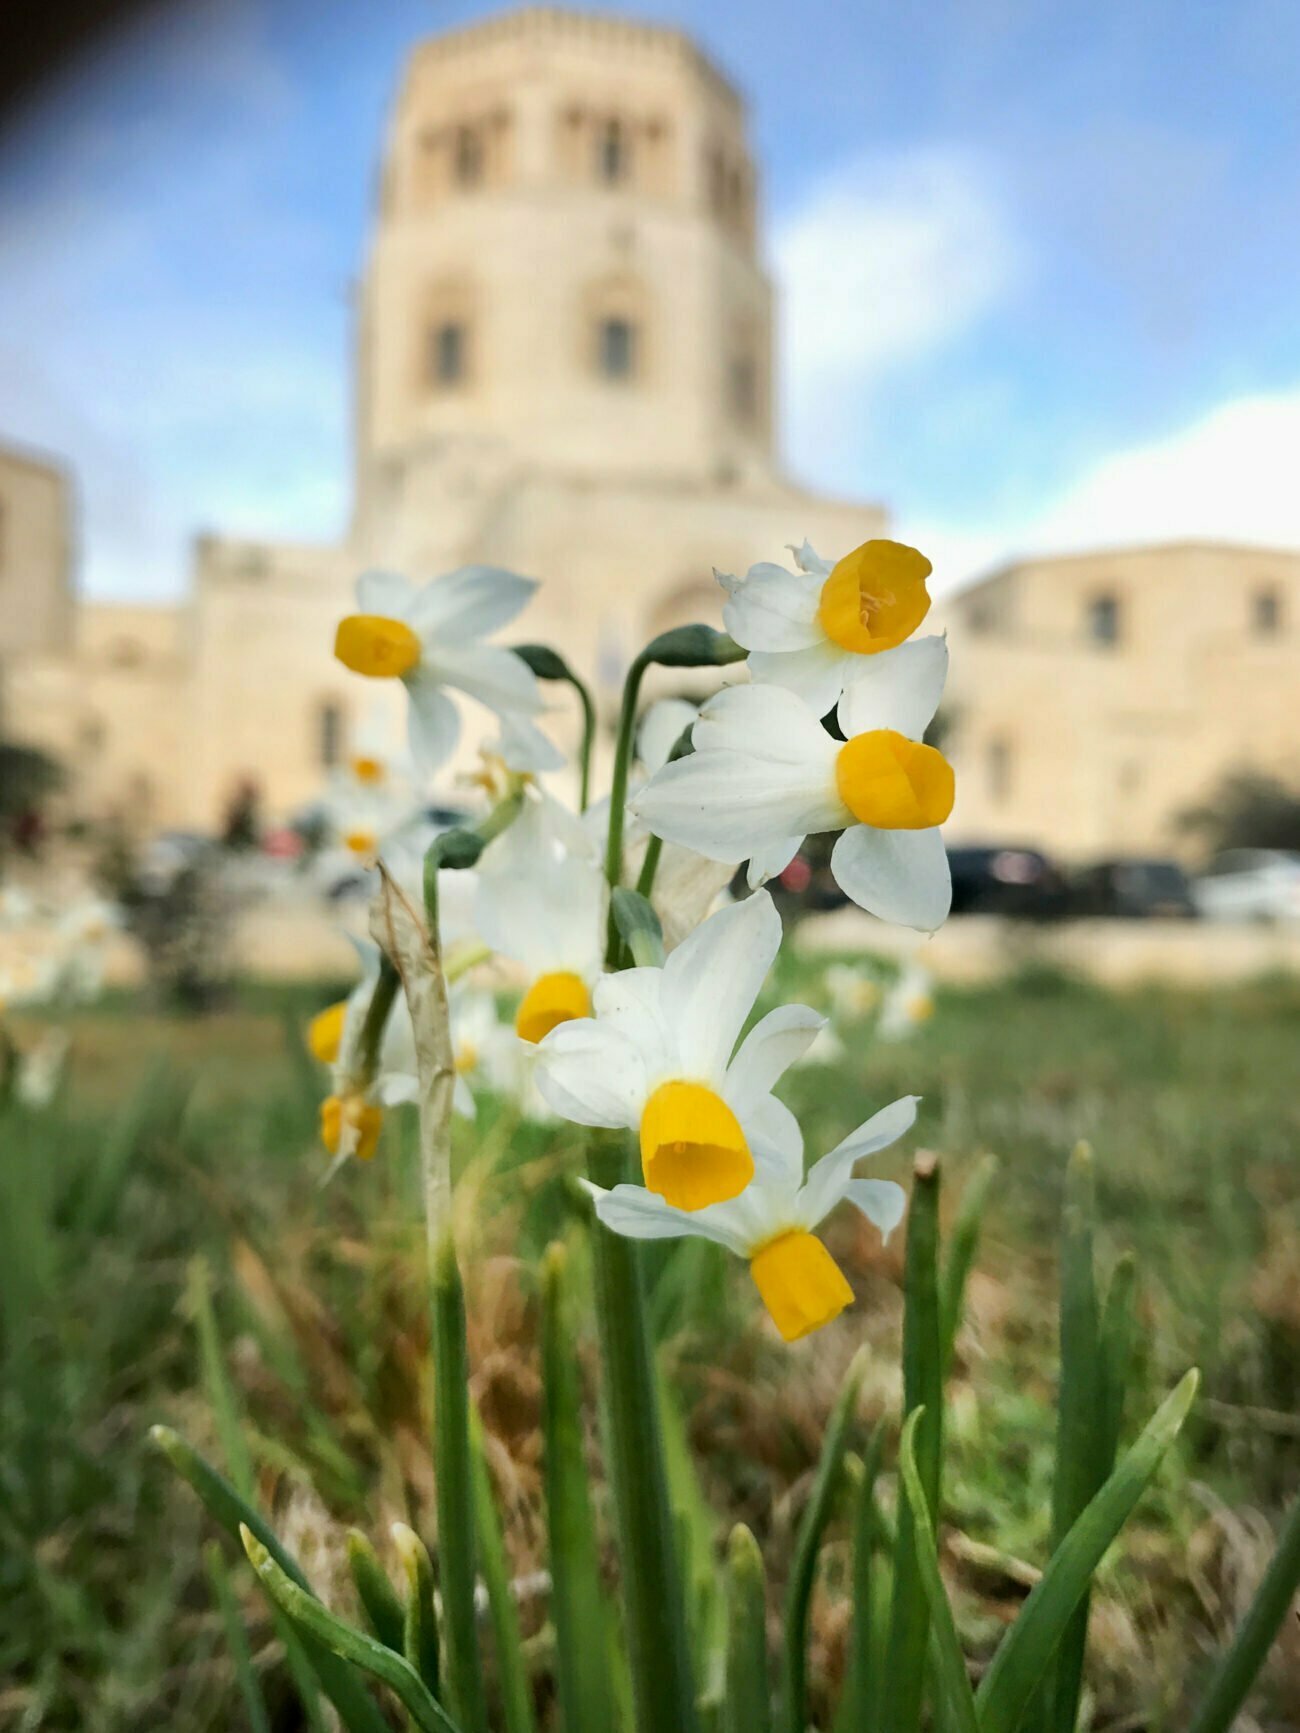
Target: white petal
661 728
591 1075
493 675
898 875
818 674
396 1090
729 806
826 1183
772 609
808 559
765 721
462 1100
638 1214
433 722
631 1001
385 593
548 915
897 689
469 603
712 979
776 1144
880 1200
523 746
770 1048
768 863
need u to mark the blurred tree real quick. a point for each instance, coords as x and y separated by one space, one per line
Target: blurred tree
1247 809
28 777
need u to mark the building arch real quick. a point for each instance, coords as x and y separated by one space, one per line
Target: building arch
616 339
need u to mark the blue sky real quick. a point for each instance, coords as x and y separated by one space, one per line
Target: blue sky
1039 264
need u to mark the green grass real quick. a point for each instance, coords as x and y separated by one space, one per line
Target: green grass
178 1140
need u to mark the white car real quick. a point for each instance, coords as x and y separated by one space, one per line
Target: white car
1250 884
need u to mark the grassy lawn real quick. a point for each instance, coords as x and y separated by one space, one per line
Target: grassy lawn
182 1158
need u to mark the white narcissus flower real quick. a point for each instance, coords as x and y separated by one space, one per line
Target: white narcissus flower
542 901
352 1114
814 630
483 1047
431 637
765 774
771 1223
658 1058
907 1003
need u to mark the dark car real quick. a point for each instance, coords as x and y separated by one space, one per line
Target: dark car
1137 889
992 880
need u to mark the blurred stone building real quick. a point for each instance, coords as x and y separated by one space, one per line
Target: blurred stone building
564 364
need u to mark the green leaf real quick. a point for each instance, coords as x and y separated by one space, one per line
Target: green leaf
578 1606
512 1669
860 1706
951 1663
1242 1664
825 1485
316 1621
455 1490
250 1688
909 1628
747 1706
1026 1651
638 926
961 1253
692 647
419 1634
216 1383
377 1595
234 1514
1117 1326
1082 1425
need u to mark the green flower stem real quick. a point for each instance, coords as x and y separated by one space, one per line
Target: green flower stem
658 1650
316 1621
376 1019
1244 1660
799 1594
862 1687
618 784
747 1706
588 741
455 1489
922 1388
649 866
950 1663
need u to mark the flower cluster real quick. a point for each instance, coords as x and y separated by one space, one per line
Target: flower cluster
826 735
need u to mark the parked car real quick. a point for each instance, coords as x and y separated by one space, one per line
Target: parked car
1135 888
1250 884
994 880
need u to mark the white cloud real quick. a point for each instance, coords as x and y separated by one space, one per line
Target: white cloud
1229 476
889 259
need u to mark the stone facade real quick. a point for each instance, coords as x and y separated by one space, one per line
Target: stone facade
1094 698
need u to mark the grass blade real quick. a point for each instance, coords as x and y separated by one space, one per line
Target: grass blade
1117 1327
419 1621
747 1705
861 1702
377 1595
316 1621
216 1381
909 1624
1243 1662
349 1696
1082 1419
577 1598
455 1490
946 1645
512 1669
961 1253
794 1687
1026 1651
250 1688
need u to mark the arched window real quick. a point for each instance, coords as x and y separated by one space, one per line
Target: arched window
447 348
613 161
1103 619
742 388
329 733
1266 611
467 156
616 330
616 354
448 354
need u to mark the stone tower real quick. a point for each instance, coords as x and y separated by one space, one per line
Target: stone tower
564 272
